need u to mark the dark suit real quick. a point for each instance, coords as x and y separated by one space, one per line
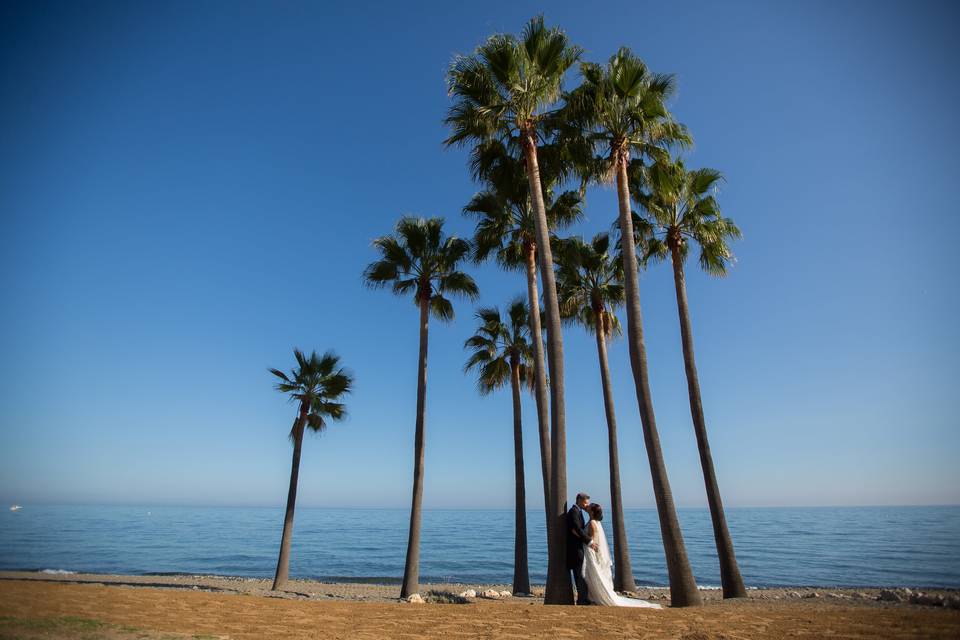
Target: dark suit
578 534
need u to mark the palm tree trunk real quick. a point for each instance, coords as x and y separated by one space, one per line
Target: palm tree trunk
729 570
683 587
559 589
521 572
540 381
411 570
623 572
283 563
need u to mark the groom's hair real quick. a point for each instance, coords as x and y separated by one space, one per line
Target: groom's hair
582 496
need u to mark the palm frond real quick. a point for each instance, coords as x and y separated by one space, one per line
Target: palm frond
458 283
441 308
280 374
315 422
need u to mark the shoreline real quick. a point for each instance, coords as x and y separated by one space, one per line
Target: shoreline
391 581
370 590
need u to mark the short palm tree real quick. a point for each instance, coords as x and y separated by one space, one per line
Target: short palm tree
681 209
619 109
419 260
590 286
317 385
501 351
506 230
507 90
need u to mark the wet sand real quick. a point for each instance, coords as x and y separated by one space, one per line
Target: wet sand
125 607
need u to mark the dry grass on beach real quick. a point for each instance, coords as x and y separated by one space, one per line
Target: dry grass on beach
46 609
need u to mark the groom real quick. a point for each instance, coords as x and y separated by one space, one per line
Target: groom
578 534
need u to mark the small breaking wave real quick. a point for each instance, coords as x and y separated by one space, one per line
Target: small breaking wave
56 572
702 587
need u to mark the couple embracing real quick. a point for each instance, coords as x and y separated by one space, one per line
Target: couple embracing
588 557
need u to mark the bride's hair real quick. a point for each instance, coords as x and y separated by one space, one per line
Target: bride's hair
596 512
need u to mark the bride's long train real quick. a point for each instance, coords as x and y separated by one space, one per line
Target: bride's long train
598 574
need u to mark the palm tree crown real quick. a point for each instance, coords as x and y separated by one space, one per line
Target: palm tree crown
499 344
681 207
318 382
620 109
506 224
590 283
509 86
418 259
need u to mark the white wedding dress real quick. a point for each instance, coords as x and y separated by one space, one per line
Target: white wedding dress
598 574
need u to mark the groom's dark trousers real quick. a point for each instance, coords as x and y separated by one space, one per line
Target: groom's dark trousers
577 535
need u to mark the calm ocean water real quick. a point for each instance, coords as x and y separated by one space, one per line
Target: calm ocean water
863 546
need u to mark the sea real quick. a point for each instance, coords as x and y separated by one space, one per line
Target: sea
776 547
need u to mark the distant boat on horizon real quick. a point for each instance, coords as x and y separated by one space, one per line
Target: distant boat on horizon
16 507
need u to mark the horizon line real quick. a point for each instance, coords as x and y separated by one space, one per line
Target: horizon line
469 508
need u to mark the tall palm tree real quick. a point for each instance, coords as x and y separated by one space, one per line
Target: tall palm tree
619 109
317 386
506 230
590 286
501 351
507 90
418 259
681 209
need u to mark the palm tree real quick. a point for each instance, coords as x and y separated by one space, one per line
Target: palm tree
419 260
619 109
505 91
317 385
682 209
501 350
506 229
590 286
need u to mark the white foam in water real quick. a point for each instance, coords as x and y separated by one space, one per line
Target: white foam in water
57 572
702 587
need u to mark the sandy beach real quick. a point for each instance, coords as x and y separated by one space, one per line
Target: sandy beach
80 606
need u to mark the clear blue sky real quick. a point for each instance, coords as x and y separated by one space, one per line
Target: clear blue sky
188 190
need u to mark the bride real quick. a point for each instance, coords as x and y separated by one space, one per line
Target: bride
598 568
